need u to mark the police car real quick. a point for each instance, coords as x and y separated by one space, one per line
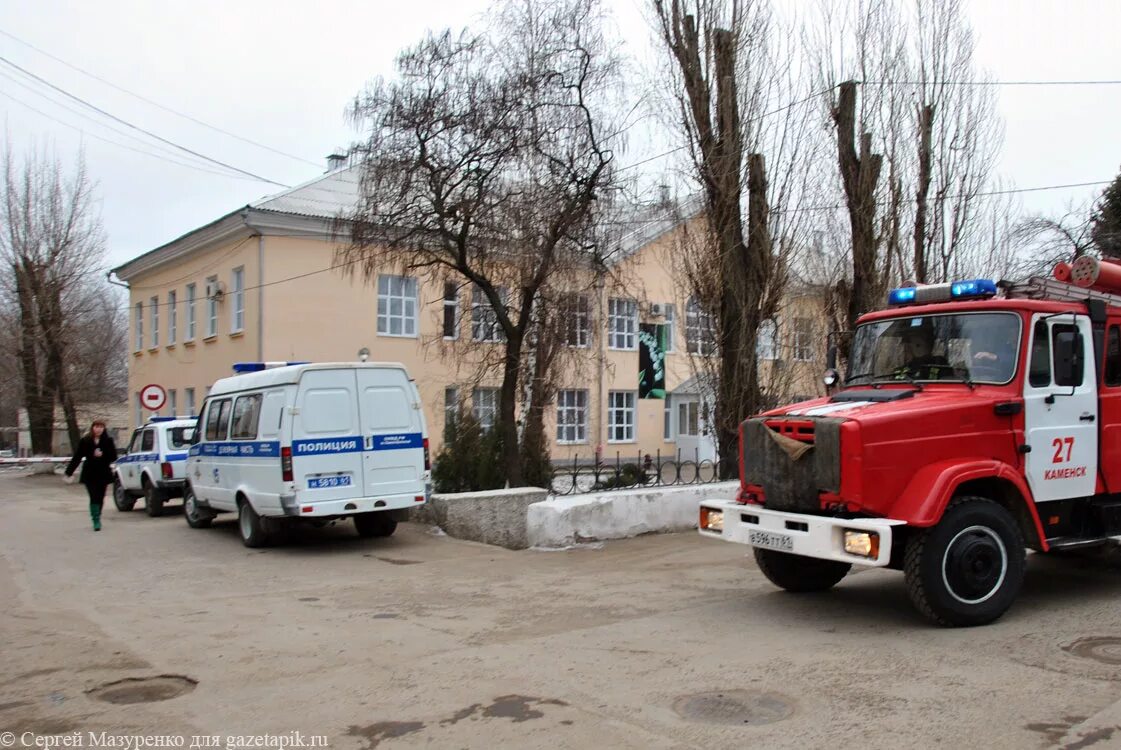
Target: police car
155 464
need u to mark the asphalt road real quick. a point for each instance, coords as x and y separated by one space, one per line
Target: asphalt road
425 641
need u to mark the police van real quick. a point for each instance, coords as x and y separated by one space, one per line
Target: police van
280 443
154 465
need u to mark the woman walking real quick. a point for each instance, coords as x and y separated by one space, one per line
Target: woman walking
100 453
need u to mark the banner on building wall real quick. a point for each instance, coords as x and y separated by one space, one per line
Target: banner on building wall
652 360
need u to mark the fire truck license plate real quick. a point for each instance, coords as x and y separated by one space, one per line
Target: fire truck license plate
771 541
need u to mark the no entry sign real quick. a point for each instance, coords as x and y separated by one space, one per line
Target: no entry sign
152 397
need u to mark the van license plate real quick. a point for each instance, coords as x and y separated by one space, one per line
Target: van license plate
771 541
317 483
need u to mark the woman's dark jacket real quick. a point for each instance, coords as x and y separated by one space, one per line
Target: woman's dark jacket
96 469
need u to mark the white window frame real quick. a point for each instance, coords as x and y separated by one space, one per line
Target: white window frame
622 414
211 310
139 326
237 311
577 321
671 324
172 317
700 333
622 324
451 406
191 319
139 411
572 416
667 420
484 320
689 419
154 304
766 342
189 397
484 403
403 291
172 402
802 335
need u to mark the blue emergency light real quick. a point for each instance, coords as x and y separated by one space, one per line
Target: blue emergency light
243 367
957 290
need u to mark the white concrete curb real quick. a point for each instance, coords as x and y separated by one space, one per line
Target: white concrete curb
564 521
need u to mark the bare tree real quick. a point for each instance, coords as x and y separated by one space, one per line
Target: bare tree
485 158
50 244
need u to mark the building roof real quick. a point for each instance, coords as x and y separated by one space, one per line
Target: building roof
326 196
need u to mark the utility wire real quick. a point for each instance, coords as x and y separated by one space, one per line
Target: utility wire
137 127
157 104
992 83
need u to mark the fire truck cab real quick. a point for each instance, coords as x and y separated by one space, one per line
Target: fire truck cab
977 420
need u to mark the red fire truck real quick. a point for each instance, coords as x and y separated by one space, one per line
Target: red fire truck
977 420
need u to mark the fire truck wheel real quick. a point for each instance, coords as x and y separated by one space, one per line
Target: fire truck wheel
797 573
968 569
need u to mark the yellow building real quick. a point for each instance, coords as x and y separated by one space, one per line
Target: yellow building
262 284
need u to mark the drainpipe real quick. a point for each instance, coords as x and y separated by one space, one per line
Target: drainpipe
260 298
601 359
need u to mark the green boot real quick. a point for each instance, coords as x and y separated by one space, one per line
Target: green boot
95 516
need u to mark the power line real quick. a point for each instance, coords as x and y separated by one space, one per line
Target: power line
137 127
992 83
122 145
157 104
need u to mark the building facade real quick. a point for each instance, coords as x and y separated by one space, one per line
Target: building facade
263 283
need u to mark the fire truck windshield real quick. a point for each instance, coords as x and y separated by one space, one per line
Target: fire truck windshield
963 347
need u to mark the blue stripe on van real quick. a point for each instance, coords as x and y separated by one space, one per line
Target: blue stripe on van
177 456
239 448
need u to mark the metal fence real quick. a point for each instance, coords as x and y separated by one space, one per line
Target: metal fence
626 472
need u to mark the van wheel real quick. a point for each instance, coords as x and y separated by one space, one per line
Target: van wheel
197 517
798 573
252 527
968 569
153 499
375 524
124 501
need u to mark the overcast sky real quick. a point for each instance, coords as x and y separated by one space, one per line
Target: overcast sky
281 73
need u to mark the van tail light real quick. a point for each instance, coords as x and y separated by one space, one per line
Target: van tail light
165 470
286 463
427 457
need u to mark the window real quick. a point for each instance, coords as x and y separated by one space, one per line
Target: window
700 331
1113 357
237 322
765 347
572 416
484 320
671 326
217 419
1066 338
139 410
396 306
212 308
622 322
689 419
189 394
154 306
172 318
451 310
247 410
148 441
139 326
484 405
172 405
176 439
190 312
620 416
1039 368
667 420
134 444
803 343
451 409
574 309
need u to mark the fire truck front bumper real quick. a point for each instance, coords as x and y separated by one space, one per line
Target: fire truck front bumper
861 541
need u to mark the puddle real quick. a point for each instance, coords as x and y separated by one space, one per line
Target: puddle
144 689
734 707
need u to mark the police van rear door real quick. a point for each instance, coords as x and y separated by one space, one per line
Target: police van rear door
392 431
326 444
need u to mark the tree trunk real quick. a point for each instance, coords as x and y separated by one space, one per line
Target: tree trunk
507 413
37 398
926 128
55 345
860 171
